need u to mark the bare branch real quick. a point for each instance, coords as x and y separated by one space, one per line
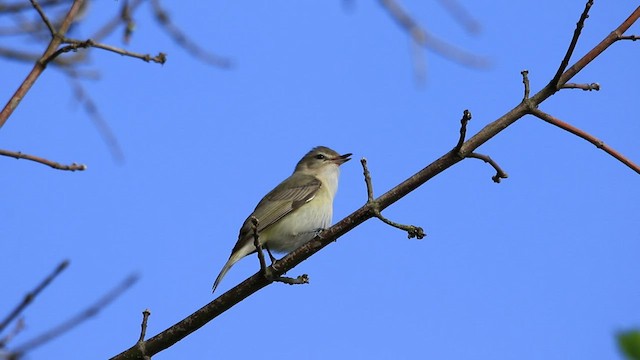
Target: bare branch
143 331
39 66
79 318
572 45
500 174
466 117
585 87
74 45
461 15
629 37
28 299
412 231
53 164
525 81
22 6
181 39
598 49
583 134
44 17
422 37
99 122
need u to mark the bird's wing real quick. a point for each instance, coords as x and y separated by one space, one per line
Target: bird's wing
292 193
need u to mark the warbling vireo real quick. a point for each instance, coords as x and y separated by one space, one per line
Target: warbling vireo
295 211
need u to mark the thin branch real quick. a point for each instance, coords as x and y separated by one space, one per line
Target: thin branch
53 164
79 318
28 299
424 38
500 174
256 243
267 271
598 49
44 17
74 45
22 6
525 81
182 40
39 66
17 329
461 15
583 134
143 331
412 231
466 117
572 45
629 37
99 122
585 87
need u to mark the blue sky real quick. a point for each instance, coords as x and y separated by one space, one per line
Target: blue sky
541 266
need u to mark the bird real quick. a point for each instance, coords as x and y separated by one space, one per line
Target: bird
294 211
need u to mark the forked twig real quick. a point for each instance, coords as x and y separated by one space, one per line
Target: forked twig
412 230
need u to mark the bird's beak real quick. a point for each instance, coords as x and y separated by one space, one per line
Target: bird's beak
342 159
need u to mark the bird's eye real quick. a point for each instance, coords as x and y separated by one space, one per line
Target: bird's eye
320 157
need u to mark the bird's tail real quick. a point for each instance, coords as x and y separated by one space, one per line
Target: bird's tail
235 256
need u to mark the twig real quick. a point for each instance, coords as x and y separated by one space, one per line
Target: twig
182 40
39 66
143 327
412 231
629 37
112 24
598 49
12 334
79 318
580 133
574 41
53 164
461 15
525 81
466 117
21 6
256 243
500 174
28 299
266 271
585 87
99 122
424 38
44 17
74 45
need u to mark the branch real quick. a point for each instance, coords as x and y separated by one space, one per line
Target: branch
53 164
424 38
572 45
412 231
28 299
466 117
40 65
74 45
585 87
44 17
182 40
500 174
580 133
79 318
